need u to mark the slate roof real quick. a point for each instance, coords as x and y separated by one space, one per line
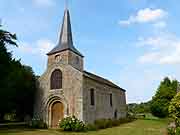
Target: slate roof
101 80
65 40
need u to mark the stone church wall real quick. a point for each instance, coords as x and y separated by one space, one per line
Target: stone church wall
67 57
102 107
74 96
70 94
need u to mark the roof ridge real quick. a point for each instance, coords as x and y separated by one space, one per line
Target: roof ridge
97 78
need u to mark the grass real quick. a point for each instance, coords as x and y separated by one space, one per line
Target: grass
149 116
138 127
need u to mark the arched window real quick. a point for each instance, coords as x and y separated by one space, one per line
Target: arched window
56 79
92 96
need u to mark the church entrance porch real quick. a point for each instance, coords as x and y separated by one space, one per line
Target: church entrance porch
56 113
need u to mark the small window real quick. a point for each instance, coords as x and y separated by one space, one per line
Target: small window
92 96
77 60
115 114
110 99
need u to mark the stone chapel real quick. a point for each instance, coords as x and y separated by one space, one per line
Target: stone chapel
66 89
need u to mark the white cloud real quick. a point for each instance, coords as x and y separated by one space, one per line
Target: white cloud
157 42
149 57
163 50
44 3
160 24
44 46
145 16
41 47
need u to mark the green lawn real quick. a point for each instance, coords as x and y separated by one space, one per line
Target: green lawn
138 127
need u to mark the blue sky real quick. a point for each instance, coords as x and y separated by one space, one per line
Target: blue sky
134 43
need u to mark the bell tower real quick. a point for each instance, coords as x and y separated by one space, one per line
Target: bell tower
65 52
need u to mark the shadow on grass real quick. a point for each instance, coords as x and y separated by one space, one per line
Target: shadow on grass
18 130
15 127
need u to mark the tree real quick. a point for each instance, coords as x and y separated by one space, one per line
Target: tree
17 82
6 38
22 86
174 109
165 92
139 108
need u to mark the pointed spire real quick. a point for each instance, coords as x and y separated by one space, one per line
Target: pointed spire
65 40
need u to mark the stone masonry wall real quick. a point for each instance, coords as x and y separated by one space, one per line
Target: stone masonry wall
67 57
102 107
70 94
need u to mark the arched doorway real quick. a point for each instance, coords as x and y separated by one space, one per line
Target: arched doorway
57 113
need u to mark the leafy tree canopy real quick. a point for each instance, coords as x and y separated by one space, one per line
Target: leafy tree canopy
165 92
17 81
139 108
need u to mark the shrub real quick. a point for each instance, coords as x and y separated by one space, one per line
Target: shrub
177 131
107 123
72 124
126 120
131 117
100 124
171 131
103 123
37 123
116 123
174 109
91 127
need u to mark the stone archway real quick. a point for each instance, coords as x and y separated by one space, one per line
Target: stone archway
57 113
